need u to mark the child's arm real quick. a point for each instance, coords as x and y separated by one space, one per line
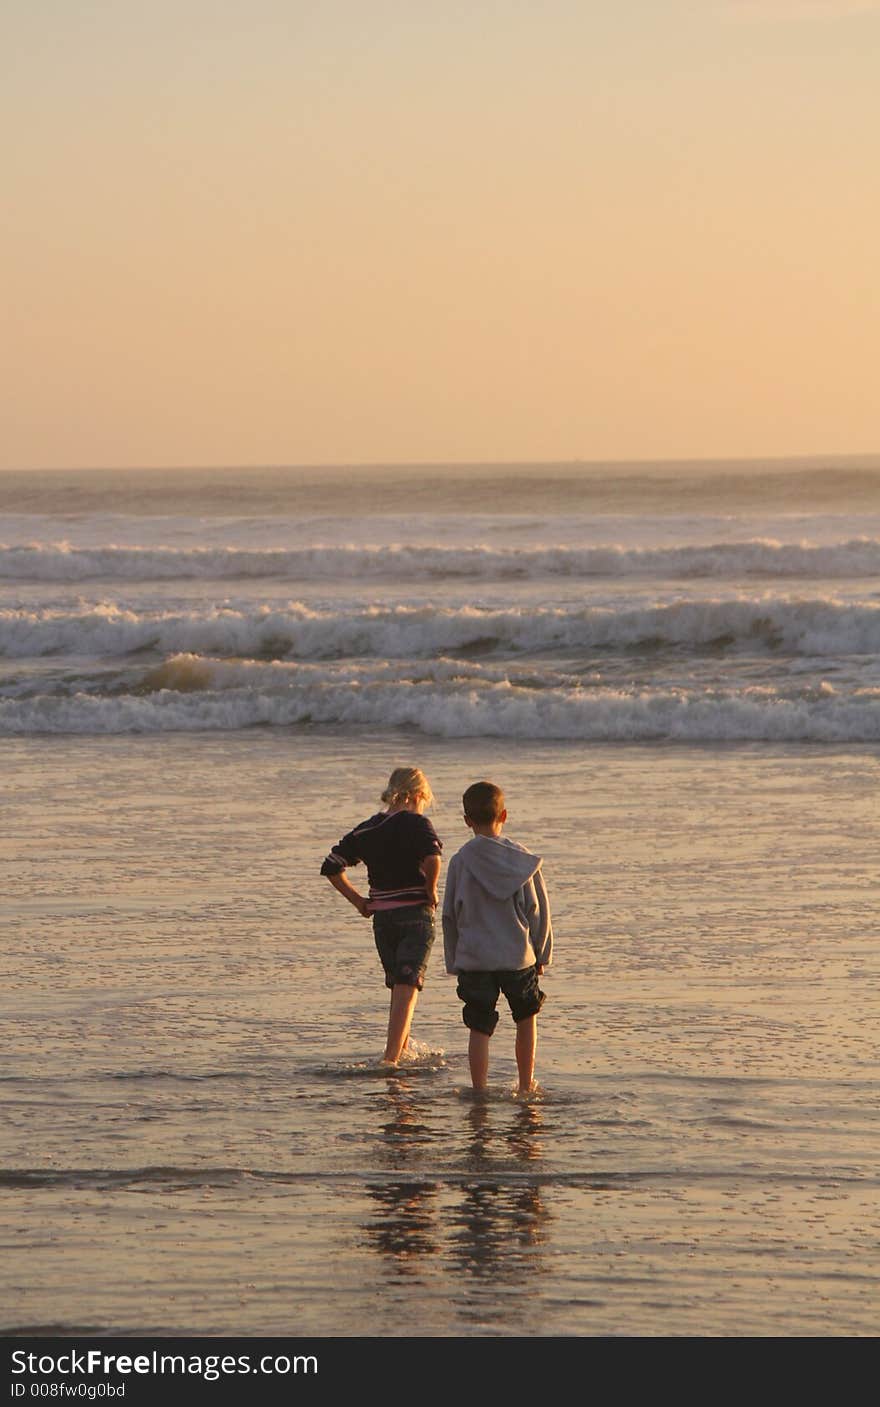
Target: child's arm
428 853
430 868
334 868
540 925
343 885
450 927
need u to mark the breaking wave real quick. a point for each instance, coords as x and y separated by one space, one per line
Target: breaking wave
815 627
471 705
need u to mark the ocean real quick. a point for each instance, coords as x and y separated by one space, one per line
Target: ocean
206 676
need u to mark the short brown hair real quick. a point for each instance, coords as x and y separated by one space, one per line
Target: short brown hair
483 802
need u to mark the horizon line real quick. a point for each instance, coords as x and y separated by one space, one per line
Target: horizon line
812 458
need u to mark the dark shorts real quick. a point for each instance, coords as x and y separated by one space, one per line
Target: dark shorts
480 992
403 939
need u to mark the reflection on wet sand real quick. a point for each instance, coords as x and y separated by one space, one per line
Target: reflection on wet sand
404 1133
405 1222
404 1225
500 1223
486 1216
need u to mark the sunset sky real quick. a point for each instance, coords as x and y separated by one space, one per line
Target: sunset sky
319 231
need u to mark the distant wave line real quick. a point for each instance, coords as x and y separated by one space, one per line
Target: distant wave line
61 562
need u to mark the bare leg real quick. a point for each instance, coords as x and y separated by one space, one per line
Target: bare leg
403 1004
526 1045
478 1057
390 1016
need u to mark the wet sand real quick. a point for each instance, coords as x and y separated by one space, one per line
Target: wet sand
196 1138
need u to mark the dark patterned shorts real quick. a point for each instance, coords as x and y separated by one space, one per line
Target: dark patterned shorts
404 938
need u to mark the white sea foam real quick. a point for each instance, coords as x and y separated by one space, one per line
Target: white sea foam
63 562
187 673
820 627
473 709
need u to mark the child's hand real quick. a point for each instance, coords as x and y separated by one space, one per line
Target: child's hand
539 969
363 906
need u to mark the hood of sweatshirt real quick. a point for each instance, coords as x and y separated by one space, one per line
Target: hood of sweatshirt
498 864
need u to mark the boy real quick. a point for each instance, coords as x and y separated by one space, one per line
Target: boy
497 932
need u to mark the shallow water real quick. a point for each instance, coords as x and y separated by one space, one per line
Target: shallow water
197 1139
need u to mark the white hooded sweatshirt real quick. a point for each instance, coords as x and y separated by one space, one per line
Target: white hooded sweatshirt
496 916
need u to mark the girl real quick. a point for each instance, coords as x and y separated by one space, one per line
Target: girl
401 851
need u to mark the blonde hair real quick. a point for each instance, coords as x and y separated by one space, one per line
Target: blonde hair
406 784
